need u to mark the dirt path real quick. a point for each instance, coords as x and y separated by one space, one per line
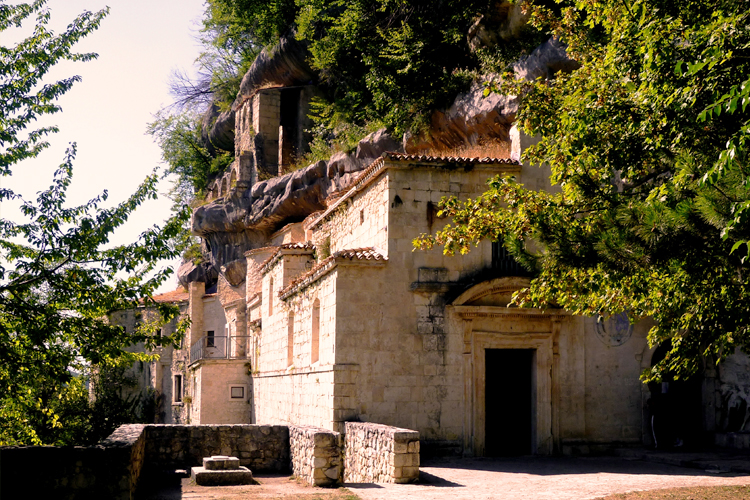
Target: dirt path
271 487
539 478
531 478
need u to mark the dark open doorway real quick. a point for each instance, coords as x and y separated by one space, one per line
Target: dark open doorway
676 407
509 402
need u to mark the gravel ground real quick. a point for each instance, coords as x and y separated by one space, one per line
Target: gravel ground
532 478
541 478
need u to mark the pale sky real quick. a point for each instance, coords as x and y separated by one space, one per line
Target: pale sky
139 44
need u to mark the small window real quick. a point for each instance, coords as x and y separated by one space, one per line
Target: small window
270 296
315 340
361 216
210 339
290 340
177 389
237 392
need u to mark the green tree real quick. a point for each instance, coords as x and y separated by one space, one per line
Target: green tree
59 275
179 137
647 143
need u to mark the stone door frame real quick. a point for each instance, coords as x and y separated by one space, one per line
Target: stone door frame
541 427
546 378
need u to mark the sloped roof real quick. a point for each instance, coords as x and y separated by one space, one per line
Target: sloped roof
305 246
364 255
178 295
372 171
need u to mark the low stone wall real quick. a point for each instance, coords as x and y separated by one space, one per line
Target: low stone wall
110 469
128 445
316 455
378 453
114 468
735 440
261 448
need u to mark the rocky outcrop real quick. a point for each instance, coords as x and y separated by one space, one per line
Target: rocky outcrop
246 219
189 272
248 216
472 116
217 129
546 60
283 65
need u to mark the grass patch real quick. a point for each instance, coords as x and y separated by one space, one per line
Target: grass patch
693 493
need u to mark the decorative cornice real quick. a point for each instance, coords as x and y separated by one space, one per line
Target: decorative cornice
471 312
304 248
366 256
391 159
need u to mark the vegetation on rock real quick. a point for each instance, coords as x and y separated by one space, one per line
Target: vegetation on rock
59 276
384 63
647 144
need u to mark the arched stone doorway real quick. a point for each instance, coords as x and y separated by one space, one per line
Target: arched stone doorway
528 341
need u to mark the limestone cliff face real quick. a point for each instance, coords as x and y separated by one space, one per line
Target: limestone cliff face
473 117
247 218
248 215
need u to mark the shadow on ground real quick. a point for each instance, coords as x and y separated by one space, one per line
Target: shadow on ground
550 466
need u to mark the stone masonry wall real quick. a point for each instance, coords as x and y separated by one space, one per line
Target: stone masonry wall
378 453
110 469
302 393
316 455
259 447
363 222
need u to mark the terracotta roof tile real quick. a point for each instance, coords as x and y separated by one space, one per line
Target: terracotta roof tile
178 295
371 171
393 156
368 253
303 245
364 254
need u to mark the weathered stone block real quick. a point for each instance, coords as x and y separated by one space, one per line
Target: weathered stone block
204 477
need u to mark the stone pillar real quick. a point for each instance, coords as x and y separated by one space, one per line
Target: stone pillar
266 118
246 168
196 291
255 259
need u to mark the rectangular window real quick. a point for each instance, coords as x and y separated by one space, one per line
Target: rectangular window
177 389
210 339
237 392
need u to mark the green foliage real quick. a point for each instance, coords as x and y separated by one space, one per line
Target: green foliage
646 142
59 275
387 61
193 253
390 61
117 400
240 24
179 137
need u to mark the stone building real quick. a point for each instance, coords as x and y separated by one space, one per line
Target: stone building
312 307
339 319
164 376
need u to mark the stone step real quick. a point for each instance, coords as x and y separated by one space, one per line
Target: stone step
221 462
203 477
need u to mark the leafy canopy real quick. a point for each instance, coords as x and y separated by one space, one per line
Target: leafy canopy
647 146
59 274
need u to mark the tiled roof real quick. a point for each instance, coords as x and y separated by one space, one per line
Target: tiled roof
305 245
368 253
371 171
304 280
393 156
178 295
